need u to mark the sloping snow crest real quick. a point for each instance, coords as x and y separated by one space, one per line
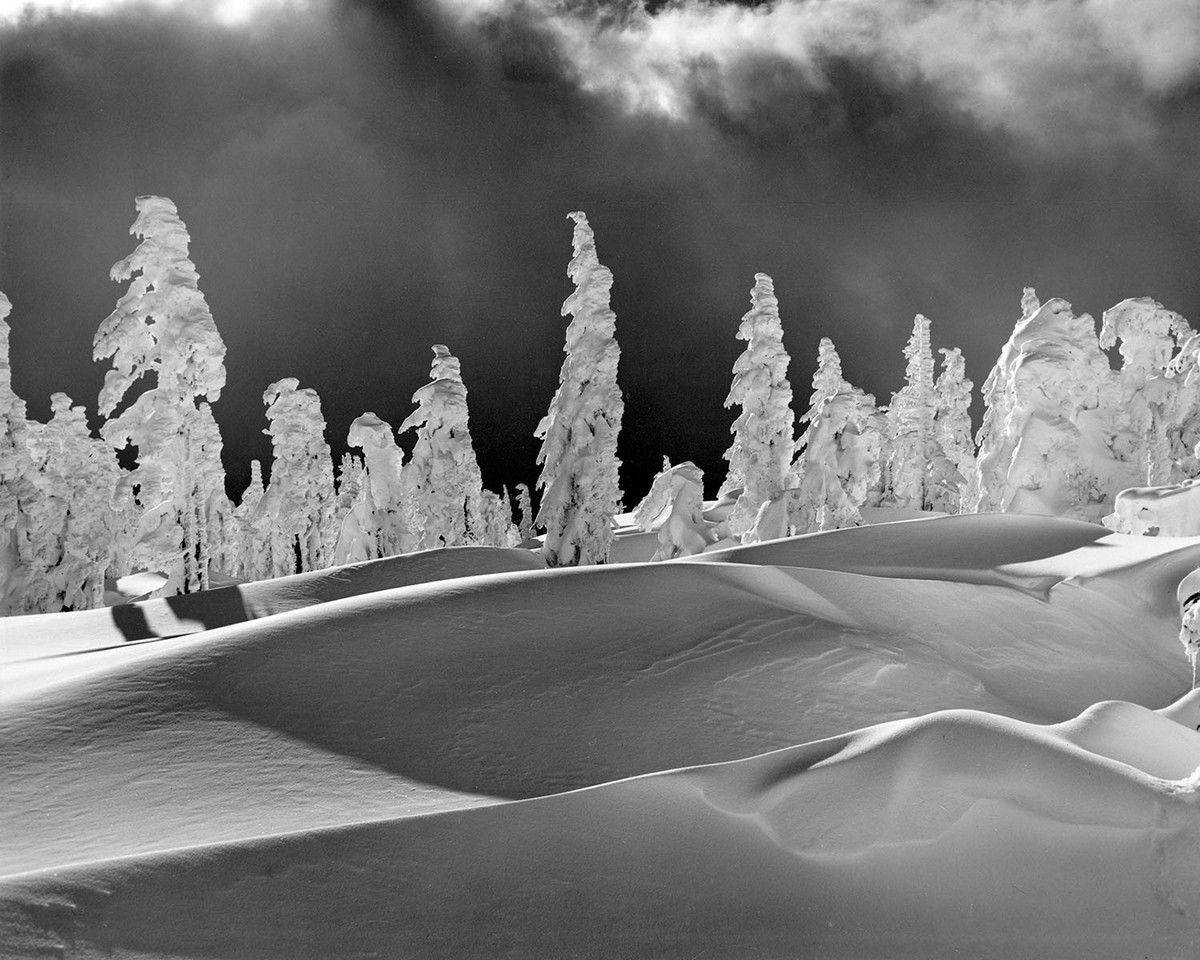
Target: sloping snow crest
956 737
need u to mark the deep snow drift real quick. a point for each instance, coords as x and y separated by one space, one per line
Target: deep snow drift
962 736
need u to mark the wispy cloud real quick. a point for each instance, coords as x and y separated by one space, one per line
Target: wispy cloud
229 13
1044 70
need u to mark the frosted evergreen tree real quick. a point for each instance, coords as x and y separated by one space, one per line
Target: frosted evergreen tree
1045 446
1030 304
78 540
580 489
298 504
252 560
762 449
826 382
675 503
525 527
1152 418
442 479
912 439
17 490
951 478
351 477
837 458
162 327
495 524
380 522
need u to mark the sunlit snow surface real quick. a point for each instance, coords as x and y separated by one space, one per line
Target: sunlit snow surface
959 737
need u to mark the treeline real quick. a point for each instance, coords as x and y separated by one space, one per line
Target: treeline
1062 433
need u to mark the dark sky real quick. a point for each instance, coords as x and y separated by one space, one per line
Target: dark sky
362 180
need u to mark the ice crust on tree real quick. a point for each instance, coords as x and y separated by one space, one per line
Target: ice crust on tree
1172 510
837 463
162 327
379 524
525 529
763 444
579 481
1045 446
675 503
953 472
248 560
72 542
1157 419
295 513
17 492
442 478
912 438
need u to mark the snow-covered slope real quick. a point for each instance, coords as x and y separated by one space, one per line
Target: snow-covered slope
916 739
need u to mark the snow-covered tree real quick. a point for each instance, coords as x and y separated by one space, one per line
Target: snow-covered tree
442 479
579 485
297 507
1045 444
832 472
525 526
826 382
952 474
495 527
763 443
162 327
351 478
380 522
17 489
250 560
675 503
77 530
1030 304
912 438
1152 418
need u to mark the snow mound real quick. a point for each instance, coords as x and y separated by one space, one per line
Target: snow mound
37 637
454 755
954 834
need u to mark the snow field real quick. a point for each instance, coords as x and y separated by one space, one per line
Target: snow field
651 759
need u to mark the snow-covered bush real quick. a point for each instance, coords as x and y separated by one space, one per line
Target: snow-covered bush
682 531
761 453
442 479
162 327
580 488
1188 595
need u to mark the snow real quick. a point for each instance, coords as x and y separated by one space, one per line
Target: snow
579 481
967 736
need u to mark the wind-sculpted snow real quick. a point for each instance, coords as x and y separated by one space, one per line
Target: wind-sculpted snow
36 638
337 777
956 834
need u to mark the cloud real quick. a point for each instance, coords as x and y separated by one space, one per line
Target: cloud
1061 74
229 13
367 178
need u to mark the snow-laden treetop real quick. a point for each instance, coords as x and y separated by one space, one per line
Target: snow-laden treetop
589 304
162 323
444 397
1147 331
5 367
